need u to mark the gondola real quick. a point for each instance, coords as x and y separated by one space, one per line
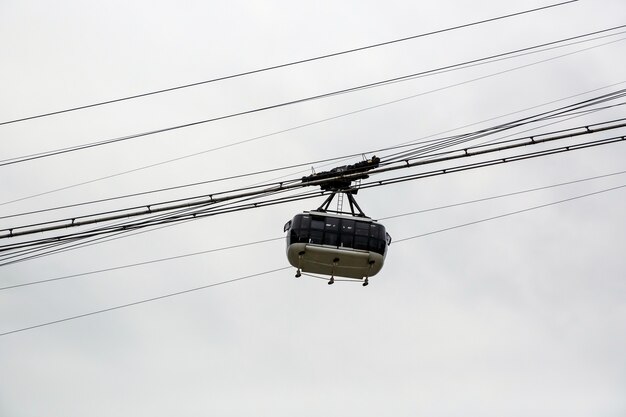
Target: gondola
335 243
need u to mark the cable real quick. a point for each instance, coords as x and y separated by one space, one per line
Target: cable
405 144
292 200
509 214
411 213
308 124
289 267
459 139
377 183
480 200
107 238
46 154
478 150
147 300
115 268
53 241
186 185
256 71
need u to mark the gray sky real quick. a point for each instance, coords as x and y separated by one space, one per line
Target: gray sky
521 316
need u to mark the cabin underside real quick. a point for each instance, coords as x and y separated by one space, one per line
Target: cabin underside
334 261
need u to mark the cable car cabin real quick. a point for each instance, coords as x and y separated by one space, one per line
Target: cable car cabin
336 245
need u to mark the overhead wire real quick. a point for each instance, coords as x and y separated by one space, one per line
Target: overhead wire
257 242
267 135
426 139
334 93
512 213
169 219
486 163
132 265
25 255
459 139
377 183
421 141
264 188
173 294
177 187
284 65
147 300
84 241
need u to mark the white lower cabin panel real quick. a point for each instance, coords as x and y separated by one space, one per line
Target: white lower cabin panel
318 259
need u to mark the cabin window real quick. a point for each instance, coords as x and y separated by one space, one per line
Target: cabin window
332 225
377 245
346 240
317 224
347 226
316 237
330 238
360 242
338 232
362 229
377 231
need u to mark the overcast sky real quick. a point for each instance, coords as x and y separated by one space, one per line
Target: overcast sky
519 316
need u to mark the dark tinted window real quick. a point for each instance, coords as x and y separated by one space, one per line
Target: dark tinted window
347 226
360 242
317 224
362 229
295 224
346 240
340 232
332 224
377 245
316 237
330 238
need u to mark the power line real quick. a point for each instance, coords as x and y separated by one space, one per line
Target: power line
84 241
555 113
412 76
411 213
377 183
147 300
177 187
440 143
101 235
263 189
256 71
510 214
468 152
194 208
298 127
422 140
173 294
480 200
115 268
